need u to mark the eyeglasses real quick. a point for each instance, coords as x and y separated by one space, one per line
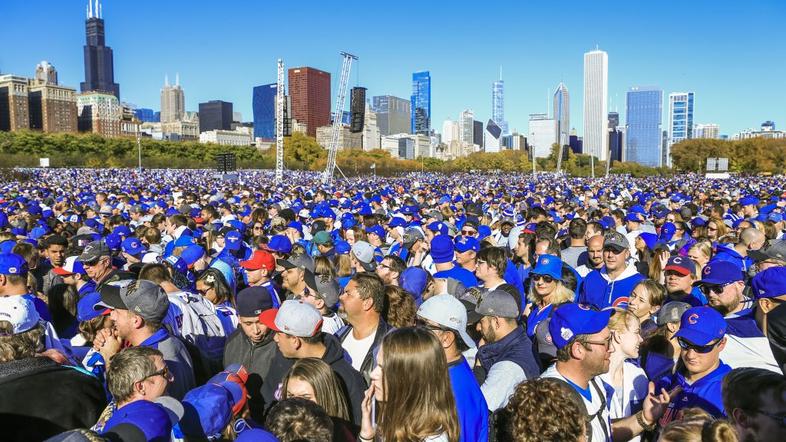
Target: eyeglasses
545 278
716 288
257 227
164 372
469 232
606 342
702 349
712 229
613 250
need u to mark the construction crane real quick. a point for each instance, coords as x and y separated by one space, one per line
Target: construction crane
327 176
280 122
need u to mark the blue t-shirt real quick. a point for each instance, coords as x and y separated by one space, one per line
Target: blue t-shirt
704 393
470 404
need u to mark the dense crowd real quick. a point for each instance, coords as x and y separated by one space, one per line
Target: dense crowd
175 305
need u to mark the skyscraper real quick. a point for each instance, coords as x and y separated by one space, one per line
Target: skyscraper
215 115
466 127
99 61
616 147
542 134
644 110
173 101
45 73
680 120
596 85
562 114
393 114
498 103
264 104
309 90
421 103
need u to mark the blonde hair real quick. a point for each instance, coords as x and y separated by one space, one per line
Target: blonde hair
343 265
561 294
620 319
698 426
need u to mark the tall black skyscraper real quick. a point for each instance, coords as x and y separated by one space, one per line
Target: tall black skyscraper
215 115
99 63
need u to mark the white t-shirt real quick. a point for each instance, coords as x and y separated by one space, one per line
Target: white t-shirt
601 418
631 395
357 348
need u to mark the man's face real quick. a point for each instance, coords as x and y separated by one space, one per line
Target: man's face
350 301
254 276
614 258
97 269
287 344
522 248
676 282
56 254
383 271
697 362
757 243
506 229
253 328
155 386
464 258
123 322
486 327
598 357
766 428
290 278
540 248
723 298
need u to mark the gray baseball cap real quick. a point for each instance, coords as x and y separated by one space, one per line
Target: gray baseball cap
448 312
364 252
776 250
616 240
327 288
145 298
93 251
497 303
302 261
671 312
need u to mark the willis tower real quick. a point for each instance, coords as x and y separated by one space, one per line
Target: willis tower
99 65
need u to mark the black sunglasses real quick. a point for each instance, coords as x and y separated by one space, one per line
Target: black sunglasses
706 289
546 278
702 349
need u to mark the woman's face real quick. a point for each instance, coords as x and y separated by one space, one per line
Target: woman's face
699 258
297 387
377 375
639 303
712 230
349 236
627 341
544 285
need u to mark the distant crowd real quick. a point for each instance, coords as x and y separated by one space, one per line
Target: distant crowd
169 305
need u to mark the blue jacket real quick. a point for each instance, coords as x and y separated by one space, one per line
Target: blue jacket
704 393
470 403
726 253
459 273
515 347
598 290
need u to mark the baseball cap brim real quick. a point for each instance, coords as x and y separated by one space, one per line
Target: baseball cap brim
760 255
681 270
268 318
696 337
472 316
110 299
283 264
62 272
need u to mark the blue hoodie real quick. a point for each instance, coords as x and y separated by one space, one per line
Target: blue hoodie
598 290
726 253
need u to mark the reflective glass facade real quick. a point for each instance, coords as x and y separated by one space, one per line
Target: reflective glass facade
421 103
264 104
643 129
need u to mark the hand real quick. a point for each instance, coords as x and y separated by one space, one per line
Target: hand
100 338
367 430
655 405
111 344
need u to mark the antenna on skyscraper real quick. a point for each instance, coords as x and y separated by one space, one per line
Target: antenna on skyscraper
177 78
500 72
89 9
166 80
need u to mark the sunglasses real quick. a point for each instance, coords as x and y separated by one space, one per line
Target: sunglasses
468 232
545 278
702 349
613 250
164 372
425 325
706 289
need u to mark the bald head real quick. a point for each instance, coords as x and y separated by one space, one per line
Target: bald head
595 242
752 238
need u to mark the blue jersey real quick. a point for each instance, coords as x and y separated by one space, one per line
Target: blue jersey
470 403
704 393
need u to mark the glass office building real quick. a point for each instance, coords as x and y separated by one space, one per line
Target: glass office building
421 103
264 105
644 107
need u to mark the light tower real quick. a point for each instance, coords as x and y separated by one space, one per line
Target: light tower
327 176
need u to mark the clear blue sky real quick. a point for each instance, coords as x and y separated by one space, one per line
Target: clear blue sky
731 54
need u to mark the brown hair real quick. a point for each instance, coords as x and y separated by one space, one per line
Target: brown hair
343 265
744 388
371 286
327 387
298 419
400 308
18 346
543 409
494 257
128 367
324 266
656 291
698 426
420 406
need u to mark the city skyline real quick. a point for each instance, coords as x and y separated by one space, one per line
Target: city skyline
215 63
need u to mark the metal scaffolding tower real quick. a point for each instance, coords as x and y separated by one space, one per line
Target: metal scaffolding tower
280 122
327 176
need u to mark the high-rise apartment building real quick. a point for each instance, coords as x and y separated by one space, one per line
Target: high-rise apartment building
421 103
596 85
14 106
99 59
706 131
45 73
309 90
498 103
542 134
173 101
680 120
644 111
492 137
562 114
100 113
393 114
215 115
52 107
450 131
477 133
466 127
264 104
616 146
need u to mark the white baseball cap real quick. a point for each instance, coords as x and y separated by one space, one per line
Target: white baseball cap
20 312
448 312
294 317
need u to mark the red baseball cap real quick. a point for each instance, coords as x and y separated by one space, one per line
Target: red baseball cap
261 259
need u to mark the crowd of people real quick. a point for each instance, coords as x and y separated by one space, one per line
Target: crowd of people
173 305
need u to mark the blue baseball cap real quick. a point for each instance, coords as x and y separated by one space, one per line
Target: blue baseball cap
770 283
719 272
184 241
484 231
133 246
122 230
192 253
297 225
208 409
749 200
442 249
650 239
413 280
148 416
466 243
12 264
177 263
7 246
667 231
113 241
681 264
438 227
549 265
633 217
377 230
233 240
84 308
571 319
397 221
701 325
342 247
280 244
